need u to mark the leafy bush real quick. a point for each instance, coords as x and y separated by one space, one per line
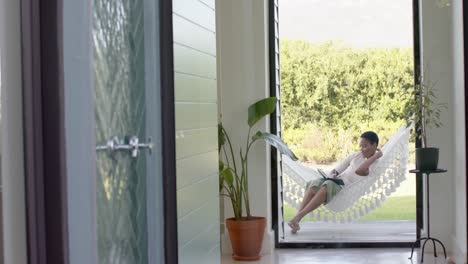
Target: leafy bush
332 93
319 145
324 144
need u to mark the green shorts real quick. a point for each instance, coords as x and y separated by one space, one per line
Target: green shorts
332 188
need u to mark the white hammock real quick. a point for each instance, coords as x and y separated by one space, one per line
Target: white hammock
358 198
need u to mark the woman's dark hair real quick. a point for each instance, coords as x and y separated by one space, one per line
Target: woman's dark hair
371 137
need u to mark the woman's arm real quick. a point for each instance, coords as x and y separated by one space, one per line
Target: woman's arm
363 170
344 164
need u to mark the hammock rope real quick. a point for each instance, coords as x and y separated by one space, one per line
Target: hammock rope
361 197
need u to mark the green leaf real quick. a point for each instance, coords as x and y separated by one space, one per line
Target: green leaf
221 136
221 184
276 142
221 179
260 109
220 165
227 175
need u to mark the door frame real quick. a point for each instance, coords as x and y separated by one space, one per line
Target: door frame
276 166
168 133
13 189
465 64
44 142
44 132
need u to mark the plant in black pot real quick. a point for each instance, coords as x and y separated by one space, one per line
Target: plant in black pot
425 113
245 230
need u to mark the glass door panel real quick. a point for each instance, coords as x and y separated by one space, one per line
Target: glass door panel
120 114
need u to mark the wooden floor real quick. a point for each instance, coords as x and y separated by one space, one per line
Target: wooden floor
370 231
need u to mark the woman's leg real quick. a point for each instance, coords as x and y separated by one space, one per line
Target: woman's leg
309 194
317 199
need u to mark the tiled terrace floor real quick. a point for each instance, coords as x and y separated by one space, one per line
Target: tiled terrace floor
370 231
344 256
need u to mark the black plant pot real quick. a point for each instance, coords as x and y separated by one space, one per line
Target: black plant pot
427 159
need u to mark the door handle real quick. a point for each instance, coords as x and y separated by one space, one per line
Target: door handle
134 145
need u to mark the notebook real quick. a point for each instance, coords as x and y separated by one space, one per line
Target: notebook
325 176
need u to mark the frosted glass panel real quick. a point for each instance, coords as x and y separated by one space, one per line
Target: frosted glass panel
120 112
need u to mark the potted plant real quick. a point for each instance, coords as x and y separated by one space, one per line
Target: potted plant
245 230
424 112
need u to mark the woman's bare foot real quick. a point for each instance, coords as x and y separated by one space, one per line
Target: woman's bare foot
294 225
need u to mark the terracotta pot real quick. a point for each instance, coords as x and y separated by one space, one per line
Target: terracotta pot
246 237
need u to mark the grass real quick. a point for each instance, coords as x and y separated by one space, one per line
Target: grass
394 208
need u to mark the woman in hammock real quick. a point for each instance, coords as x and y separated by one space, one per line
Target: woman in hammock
322 190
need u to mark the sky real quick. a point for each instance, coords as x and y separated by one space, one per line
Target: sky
360 23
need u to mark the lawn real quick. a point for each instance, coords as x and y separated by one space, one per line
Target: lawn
394 208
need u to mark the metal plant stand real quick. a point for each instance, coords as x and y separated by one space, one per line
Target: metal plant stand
425 239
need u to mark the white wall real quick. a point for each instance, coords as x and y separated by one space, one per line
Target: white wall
458 235
243 79
442 58
437 64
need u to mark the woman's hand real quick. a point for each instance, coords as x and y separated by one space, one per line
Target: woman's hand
363 170
378 154
333 173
